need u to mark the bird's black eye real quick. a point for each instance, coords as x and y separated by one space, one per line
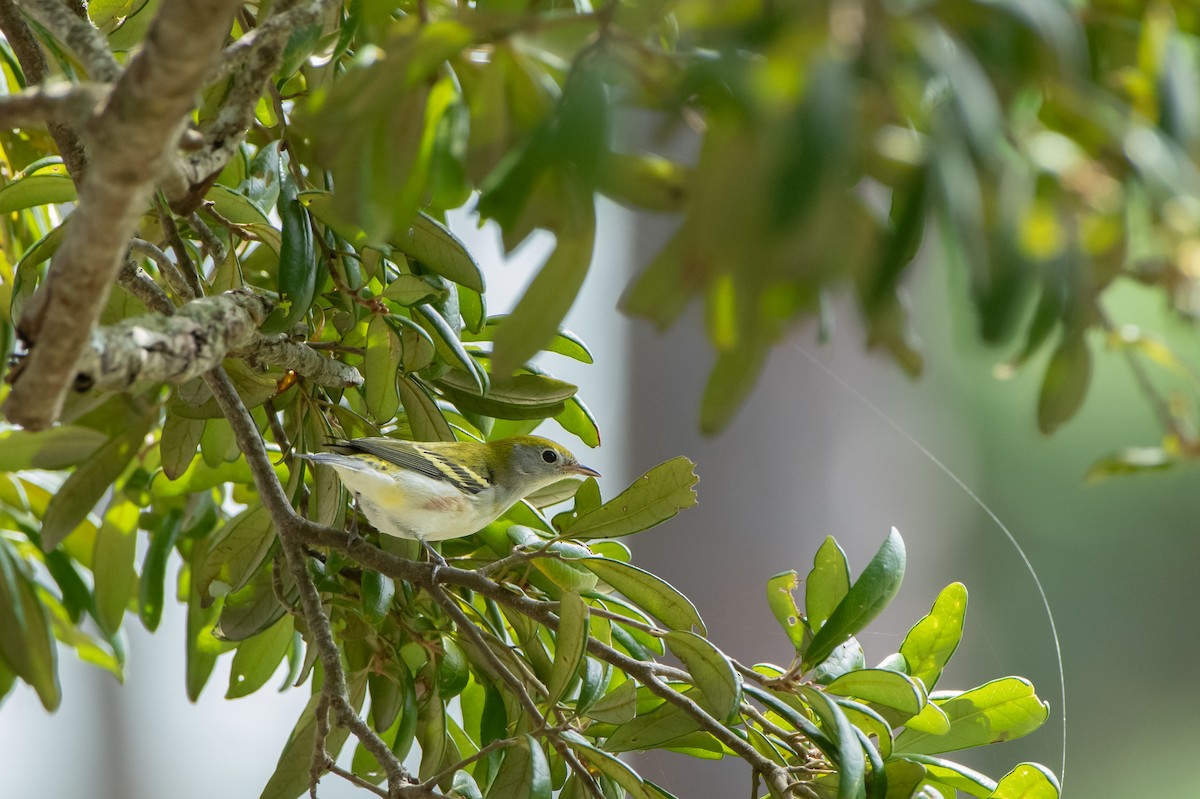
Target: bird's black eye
549 456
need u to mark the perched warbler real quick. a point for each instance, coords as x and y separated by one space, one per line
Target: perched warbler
432 491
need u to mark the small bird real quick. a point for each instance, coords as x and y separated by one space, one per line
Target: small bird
432 491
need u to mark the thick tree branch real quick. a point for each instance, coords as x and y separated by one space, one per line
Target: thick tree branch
135 133
170 349
78 35
272 32
66 103
29 53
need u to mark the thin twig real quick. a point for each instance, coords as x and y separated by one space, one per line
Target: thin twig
166 267
134 279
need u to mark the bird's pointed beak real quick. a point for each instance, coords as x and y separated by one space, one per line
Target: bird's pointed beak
587 471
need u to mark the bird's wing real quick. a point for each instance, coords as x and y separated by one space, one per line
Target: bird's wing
426 460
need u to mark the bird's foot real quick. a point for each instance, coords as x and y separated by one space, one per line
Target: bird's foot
435 558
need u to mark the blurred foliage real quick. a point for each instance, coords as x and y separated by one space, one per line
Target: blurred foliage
1048 150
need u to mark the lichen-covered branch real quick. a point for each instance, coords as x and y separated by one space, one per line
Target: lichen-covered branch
253 67
170 349
78 34
66 103
133 136
279 350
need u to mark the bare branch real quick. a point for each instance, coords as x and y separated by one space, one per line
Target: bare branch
134 279
78 34
29 53
135 133
67 103
166 267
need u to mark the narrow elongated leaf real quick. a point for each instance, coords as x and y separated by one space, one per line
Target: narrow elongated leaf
151 586
828 583
570 644
26 645
56 448
849 752
887 688
257 658
236 553
35 190
564 342
869 595
1065 384
783 606
524 396
297 260
432 244
112 564
380 366
523 774
85 486
651 593
933 639
653 498
536 318
1000 710
712 672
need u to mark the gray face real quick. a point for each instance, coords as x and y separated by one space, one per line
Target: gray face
541 461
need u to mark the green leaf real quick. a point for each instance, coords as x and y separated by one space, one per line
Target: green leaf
1131 460
666 722
523 774
380 366
411 290
57 448
436 248
576 418
35 190
653 498
112 564
570 644
712 672
903 777
236 207
154 568
617 706
257 658
1066 382
377 593
932 640
539 313
524 396
887 688
178 443
297 279
652 594
1000 710
783 606
664 288
612 768
849 753
1027 781
425 420
86 485
236 553
828 583
564 342
932 719
26 645
869 595
955 775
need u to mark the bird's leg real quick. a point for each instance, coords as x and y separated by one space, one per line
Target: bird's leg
435 558
354 536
